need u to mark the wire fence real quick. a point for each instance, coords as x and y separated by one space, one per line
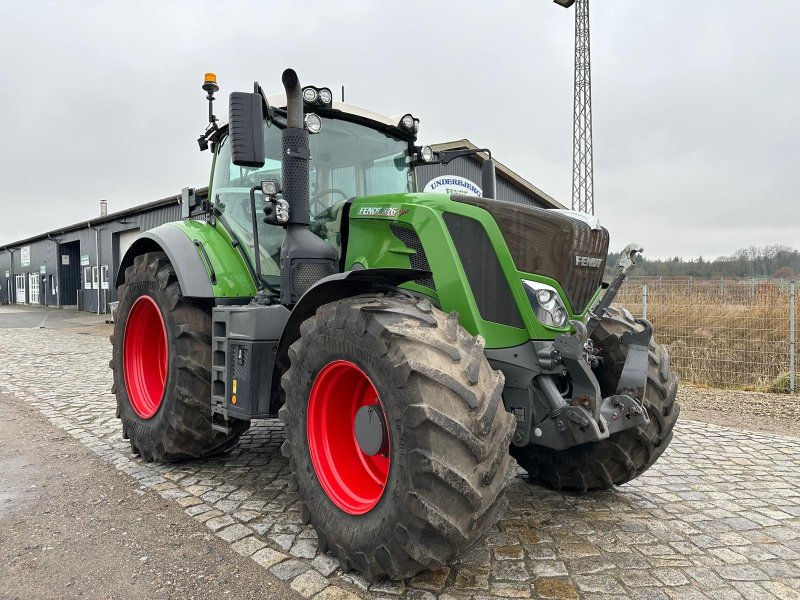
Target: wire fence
723 333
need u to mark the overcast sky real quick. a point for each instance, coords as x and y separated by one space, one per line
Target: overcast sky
696 127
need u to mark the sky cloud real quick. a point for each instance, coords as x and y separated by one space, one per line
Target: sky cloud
696 133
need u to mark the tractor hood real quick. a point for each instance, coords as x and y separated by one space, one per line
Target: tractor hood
566 246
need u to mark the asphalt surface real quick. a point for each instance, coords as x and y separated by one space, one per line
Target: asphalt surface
18 316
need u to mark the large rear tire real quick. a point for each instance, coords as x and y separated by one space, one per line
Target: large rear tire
438 483
161 363
624 455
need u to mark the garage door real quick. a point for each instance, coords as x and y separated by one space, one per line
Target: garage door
125 240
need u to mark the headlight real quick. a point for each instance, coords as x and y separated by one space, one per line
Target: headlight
546 303
325 96
426 153
313 123
310 95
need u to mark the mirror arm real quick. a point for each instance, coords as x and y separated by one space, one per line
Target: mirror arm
268 111
448 156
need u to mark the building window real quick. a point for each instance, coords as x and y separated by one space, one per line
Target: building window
104 277
95 284
52 285
87 278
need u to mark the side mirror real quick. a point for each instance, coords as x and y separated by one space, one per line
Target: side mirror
246 129
488 178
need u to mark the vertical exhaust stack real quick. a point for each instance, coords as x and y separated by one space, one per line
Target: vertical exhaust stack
103 208
296 154
305 258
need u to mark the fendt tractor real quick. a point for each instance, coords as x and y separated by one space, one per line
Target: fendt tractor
416 346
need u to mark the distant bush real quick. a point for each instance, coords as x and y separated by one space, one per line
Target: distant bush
781 384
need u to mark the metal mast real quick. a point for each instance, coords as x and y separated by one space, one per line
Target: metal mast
582 162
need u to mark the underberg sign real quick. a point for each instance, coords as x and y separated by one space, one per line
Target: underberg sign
453 184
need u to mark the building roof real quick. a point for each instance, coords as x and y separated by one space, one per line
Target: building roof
503 171
99 220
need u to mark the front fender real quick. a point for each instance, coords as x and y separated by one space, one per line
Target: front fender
332 288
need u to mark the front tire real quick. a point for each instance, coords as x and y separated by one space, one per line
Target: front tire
162 363
439 482
624 455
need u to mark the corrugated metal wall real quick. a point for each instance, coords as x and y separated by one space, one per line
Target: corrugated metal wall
46 252
470 169
41 253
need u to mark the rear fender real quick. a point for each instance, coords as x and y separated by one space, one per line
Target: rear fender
205 262
182 253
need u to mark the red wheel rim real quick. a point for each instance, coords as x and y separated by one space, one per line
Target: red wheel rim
353 480
144 356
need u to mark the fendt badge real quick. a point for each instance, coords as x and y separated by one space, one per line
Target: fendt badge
587 261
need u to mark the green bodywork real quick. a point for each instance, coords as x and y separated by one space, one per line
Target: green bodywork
232 278
371 244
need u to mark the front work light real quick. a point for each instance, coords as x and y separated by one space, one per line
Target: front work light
317 96
546 303
313 123
310 95
426 153
269 187
407 122
325 96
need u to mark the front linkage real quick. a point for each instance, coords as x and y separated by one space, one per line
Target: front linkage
559 418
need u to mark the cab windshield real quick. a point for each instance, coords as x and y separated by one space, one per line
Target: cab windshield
348 160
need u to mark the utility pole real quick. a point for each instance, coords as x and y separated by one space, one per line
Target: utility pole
582 162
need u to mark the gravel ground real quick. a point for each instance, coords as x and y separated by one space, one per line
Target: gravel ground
70 527
754 411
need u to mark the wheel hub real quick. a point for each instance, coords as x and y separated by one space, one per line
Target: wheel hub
370 430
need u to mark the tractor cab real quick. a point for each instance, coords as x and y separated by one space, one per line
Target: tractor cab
354 153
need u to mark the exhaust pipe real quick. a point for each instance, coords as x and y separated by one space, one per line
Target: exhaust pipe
305 258
296 154
294 99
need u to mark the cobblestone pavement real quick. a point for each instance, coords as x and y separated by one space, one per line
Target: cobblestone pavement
717 517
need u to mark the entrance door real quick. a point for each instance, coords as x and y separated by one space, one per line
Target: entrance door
20 285
69 272
33 278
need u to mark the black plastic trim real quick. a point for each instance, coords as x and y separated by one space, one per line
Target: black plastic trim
192 274
485 274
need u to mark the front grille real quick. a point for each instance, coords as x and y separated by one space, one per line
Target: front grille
419 260
546 242
484 273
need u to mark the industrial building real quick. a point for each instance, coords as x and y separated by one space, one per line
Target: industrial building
75 266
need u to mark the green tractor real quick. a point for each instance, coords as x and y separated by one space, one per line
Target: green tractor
416 346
